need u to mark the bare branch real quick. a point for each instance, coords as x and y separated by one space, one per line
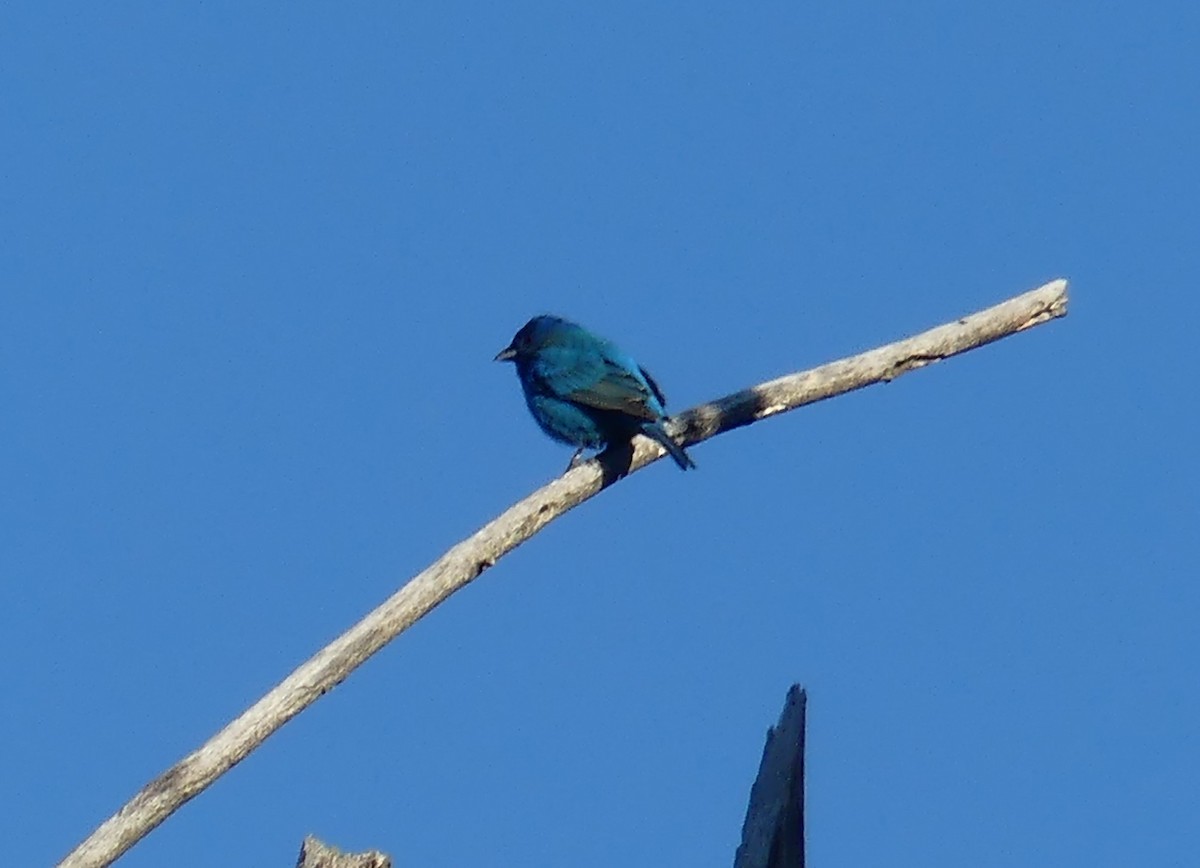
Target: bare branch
469 558
315 853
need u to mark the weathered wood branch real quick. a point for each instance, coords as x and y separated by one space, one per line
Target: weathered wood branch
773 832
468 559
315 853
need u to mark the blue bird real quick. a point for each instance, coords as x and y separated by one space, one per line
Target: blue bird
583 390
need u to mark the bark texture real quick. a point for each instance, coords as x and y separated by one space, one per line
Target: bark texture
317 854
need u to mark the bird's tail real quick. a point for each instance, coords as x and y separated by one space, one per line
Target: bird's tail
655 431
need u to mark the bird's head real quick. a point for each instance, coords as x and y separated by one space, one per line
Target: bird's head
535 334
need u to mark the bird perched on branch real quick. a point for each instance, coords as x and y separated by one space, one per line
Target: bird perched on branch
583 390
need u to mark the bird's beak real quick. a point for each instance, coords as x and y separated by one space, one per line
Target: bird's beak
505 355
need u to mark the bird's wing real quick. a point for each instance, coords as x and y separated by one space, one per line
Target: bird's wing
620 390
654 387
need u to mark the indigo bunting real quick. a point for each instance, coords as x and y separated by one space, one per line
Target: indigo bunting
583 390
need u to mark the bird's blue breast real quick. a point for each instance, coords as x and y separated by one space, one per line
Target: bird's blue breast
564 421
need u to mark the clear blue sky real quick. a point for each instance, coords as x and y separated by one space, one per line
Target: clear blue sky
257 259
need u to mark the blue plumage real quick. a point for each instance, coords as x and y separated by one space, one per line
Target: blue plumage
583 390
